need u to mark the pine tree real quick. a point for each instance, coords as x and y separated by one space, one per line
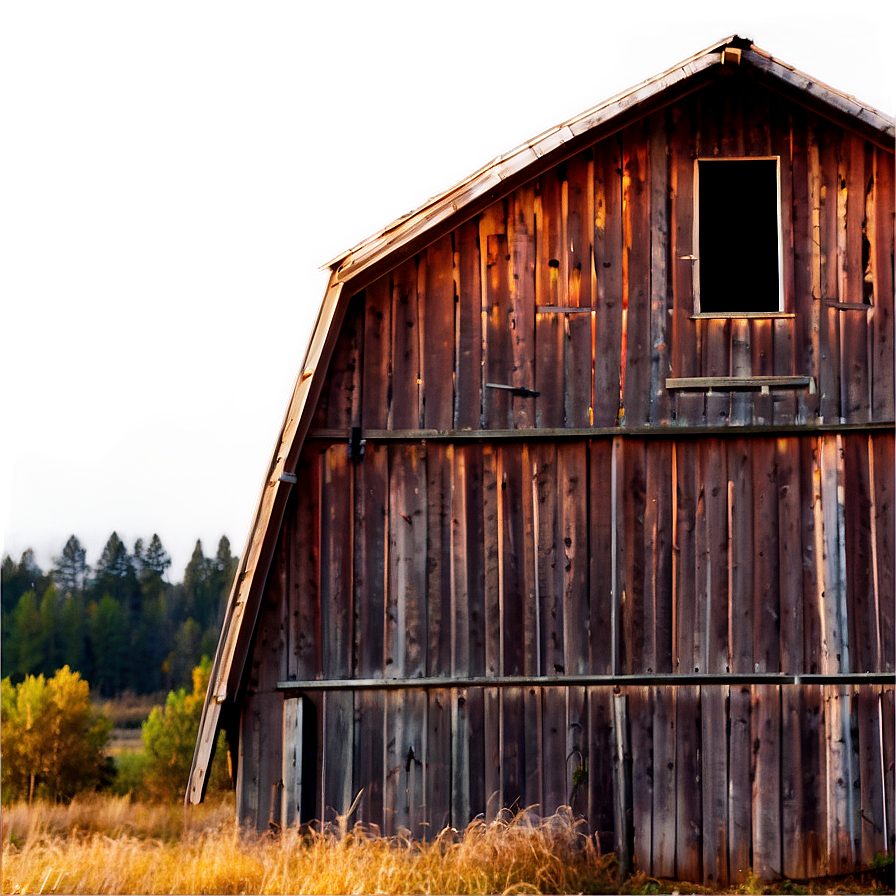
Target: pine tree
70 571
116 576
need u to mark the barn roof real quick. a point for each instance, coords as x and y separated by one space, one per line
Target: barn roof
374 256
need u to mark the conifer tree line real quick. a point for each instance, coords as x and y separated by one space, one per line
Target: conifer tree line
121 624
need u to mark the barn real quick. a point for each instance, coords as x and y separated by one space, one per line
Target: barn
585 497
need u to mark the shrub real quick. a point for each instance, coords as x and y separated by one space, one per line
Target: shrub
169 737
53 740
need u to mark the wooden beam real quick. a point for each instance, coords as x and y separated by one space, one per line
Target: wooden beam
732 383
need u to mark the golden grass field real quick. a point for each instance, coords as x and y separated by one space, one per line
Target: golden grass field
106 844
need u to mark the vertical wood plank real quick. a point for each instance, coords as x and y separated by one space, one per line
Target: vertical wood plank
685 353
881 451
468 322
640 714
766 728
608 265
689 808
437 309
790 558
491 500
370 708
714 461
762 346
860 593
467 572
576 753
637 625
370 566
521 318
741 365
376 395
439 620
883 390
887 716
462 760
600 766
573 484
406 636
660 295
438 762
303 534
512 740
511 539
497 345
492 776
665 774
871 813
740 527
687 645
600 573
549 575
405 406
658 549
714 784
533 791
339 405
338 754
549 405
740 794
291 775
554 747
336 562
810 503
766 595
636 274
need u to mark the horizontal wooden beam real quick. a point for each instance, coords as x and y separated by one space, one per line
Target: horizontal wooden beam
671 431
555 681
736 383
736 315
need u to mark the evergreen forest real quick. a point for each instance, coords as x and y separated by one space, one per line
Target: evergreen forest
121 624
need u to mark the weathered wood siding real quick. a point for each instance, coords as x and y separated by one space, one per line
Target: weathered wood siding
599 527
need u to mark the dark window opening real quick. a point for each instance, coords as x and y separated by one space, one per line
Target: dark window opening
738 226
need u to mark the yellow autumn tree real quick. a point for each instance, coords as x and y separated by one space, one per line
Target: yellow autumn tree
52 739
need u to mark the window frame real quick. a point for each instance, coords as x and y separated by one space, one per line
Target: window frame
698 314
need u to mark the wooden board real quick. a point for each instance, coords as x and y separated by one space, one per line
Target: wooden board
491 557
790 556
660 292
521 259
437 308
572 481
370 567
640 717
601 540
883 391
740 527
714 784
439 619
687 646
468 323
497 404
513 596
406 371
369 743
689 808
376 390
549 572
872 821
766 595
406 637
658 555
301 533
336 562
636 274
740 751
554 746
665 791
608 265
637 652
338 758
766 727
437 767
881 453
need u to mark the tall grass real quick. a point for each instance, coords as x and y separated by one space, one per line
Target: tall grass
105 844
111 845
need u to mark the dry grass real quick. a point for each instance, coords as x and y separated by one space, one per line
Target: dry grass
112 845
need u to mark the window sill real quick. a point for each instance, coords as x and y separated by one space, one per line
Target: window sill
726 315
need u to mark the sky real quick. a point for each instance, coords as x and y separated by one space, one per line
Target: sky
174 174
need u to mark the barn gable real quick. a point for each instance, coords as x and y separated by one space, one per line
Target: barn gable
528 458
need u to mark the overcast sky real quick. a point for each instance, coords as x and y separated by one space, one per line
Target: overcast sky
173 175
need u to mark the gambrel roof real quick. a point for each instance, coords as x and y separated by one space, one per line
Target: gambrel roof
351 271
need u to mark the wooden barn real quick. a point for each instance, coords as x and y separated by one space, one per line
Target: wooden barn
585 497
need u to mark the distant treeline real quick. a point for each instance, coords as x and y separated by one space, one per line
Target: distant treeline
120 623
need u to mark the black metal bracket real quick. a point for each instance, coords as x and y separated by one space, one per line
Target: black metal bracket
522 391
356 444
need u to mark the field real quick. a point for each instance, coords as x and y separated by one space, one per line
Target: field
105 844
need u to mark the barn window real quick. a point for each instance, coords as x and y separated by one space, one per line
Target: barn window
738 237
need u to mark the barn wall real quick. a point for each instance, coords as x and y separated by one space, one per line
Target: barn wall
487 533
